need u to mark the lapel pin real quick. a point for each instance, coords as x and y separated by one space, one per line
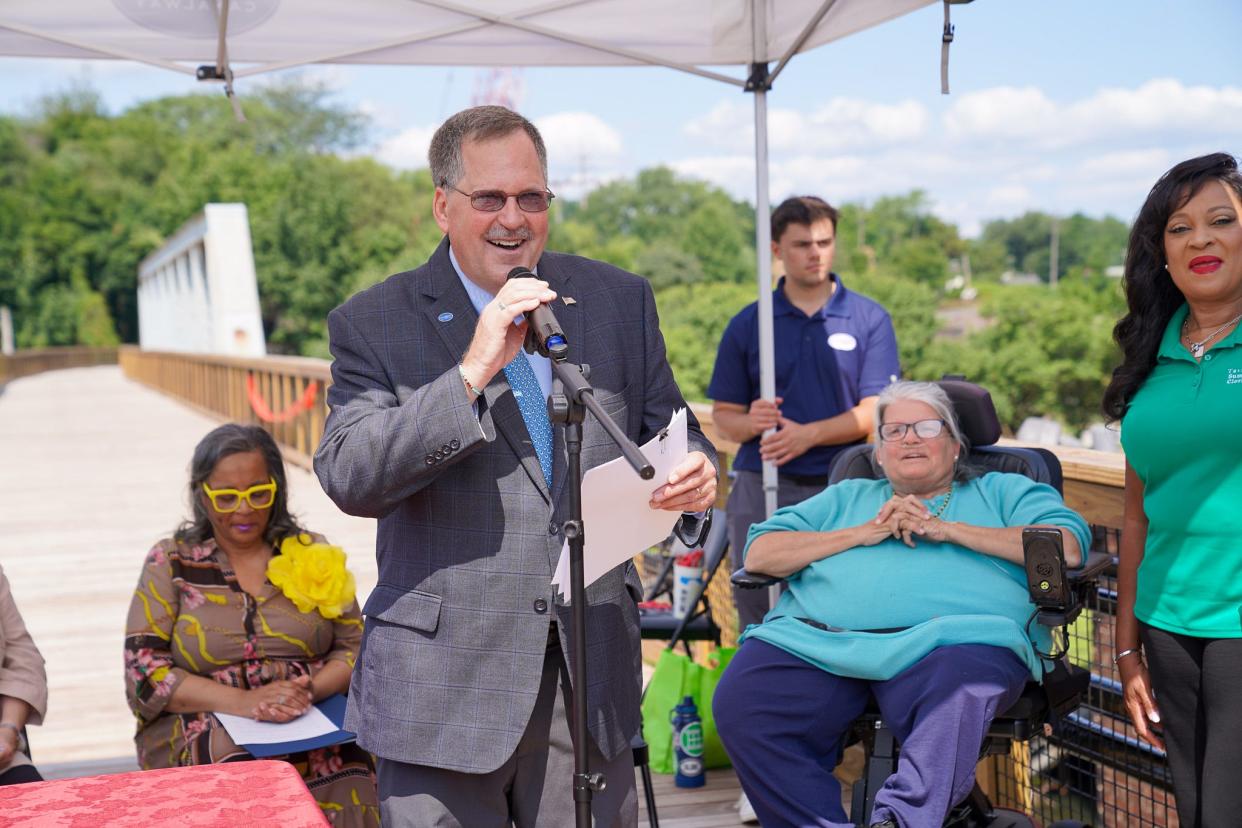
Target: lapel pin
445 317
569 300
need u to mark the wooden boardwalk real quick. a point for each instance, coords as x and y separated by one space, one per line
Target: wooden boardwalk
92 472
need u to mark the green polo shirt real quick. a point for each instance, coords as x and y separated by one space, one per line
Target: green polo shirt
1182 436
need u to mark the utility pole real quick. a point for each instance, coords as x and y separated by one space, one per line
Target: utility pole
1054 245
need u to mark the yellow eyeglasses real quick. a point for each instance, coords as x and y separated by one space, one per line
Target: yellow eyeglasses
261 496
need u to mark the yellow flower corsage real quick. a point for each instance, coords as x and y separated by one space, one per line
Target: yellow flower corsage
313 576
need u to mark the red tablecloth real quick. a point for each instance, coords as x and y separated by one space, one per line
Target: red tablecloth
235 794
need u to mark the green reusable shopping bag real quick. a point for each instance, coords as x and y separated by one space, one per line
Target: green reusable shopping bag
676 677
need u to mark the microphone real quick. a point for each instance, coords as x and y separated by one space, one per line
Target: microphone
544 332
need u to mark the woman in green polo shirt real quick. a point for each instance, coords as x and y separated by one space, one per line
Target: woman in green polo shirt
1178 394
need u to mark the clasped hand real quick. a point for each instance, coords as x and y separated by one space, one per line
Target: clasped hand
904 517
282 701
788 442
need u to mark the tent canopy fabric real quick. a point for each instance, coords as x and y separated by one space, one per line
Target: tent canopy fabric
267 35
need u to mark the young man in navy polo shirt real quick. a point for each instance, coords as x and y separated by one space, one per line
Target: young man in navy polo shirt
835 351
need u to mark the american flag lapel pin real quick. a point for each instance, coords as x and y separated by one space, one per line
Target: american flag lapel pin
569 300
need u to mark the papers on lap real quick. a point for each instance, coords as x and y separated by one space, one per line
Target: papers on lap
616 517
318 727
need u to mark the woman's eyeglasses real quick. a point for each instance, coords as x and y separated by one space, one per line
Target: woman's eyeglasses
926 429
493 201
260 497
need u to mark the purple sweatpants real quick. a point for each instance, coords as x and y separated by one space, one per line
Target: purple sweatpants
783 722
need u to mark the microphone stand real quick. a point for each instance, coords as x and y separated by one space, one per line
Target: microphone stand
572 396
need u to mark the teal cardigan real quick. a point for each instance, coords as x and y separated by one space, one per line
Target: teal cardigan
942 593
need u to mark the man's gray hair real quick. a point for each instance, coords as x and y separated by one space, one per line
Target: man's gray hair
479 123
933 396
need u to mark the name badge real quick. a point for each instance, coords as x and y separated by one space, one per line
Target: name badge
842 342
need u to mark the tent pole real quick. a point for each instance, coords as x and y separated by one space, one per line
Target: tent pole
758 85
763 260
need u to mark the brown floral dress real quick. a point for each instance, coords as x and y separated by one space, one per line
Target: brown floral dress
189 615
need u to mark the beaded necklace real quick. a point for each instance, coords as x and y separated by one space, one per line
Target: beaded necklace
939 510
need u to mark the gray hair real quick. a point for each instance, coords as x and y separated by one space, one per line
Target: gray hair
479 123
934 397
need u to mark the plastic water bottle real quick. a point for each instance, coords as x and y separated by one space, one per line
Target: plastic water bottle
688 745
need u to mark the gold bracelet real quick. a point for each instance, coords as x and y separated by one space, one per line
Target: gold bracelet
461 371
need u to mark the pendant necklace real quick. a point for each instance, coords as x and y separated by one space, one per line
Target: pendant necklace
947 498
1197 348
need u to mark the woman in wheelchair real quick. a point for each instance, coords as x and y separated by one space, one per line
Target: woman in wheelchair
909 588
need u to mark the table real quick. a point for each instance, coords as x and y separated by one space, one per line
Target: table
259 793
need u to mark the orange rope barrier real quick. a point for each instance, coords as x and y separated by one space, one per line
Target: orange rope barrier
264 412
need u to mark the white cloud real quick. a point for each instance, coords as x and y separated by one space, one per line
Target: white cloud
729 126
850 123
1148 163
1008 198
1001 112
840 124
994 153
572 136
407 150
583 152
733 173
1161 106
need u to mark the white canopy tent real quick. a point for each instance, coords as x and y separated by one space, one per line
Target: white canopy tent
269 35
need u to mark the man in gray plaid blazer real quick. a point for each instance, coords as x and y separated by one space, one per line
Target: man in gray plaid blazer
461 688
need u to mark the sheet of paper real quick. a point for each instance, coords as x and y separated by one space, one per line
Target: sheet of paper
246 731
616 516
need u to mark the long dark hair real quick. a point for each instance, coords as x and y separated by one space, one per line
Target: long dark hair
1151 296
219 443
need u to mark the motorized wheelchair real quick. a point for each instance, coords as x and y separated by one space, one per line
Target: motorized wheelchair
1042 703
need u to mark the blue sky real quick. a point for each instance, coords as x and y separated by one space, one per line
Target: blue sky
1057 105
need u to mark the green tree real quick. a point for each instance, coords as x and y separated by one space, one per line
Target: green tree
1045 353
657 208
693 318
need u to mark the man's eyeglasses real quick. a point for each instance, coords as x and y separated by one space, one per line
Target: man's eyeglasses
258 497
926 429
493 201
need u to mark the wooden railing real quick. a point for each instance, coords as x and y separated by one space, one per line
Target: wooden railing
219 386
37 360
237 389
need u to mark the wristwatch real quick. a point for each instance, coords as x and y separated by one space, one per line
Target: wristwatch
22 747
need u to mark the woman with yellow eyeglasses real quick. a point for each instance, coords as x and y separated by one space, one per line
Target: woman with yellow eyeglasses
243 611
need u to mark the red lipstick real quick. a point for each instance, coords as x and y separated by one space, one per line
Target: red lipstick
1203 265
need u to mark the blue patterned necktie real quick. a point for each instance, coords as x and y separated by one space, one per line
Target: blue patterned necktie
534 410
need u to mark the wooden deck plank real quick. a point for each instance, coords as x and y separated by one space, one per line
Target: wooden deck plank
711 806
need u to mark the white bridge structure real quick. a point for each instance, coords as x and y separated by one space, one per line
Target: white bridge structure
198 292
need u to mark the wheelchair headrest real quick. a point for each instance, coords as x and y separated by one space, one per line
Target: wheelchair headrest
976 416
